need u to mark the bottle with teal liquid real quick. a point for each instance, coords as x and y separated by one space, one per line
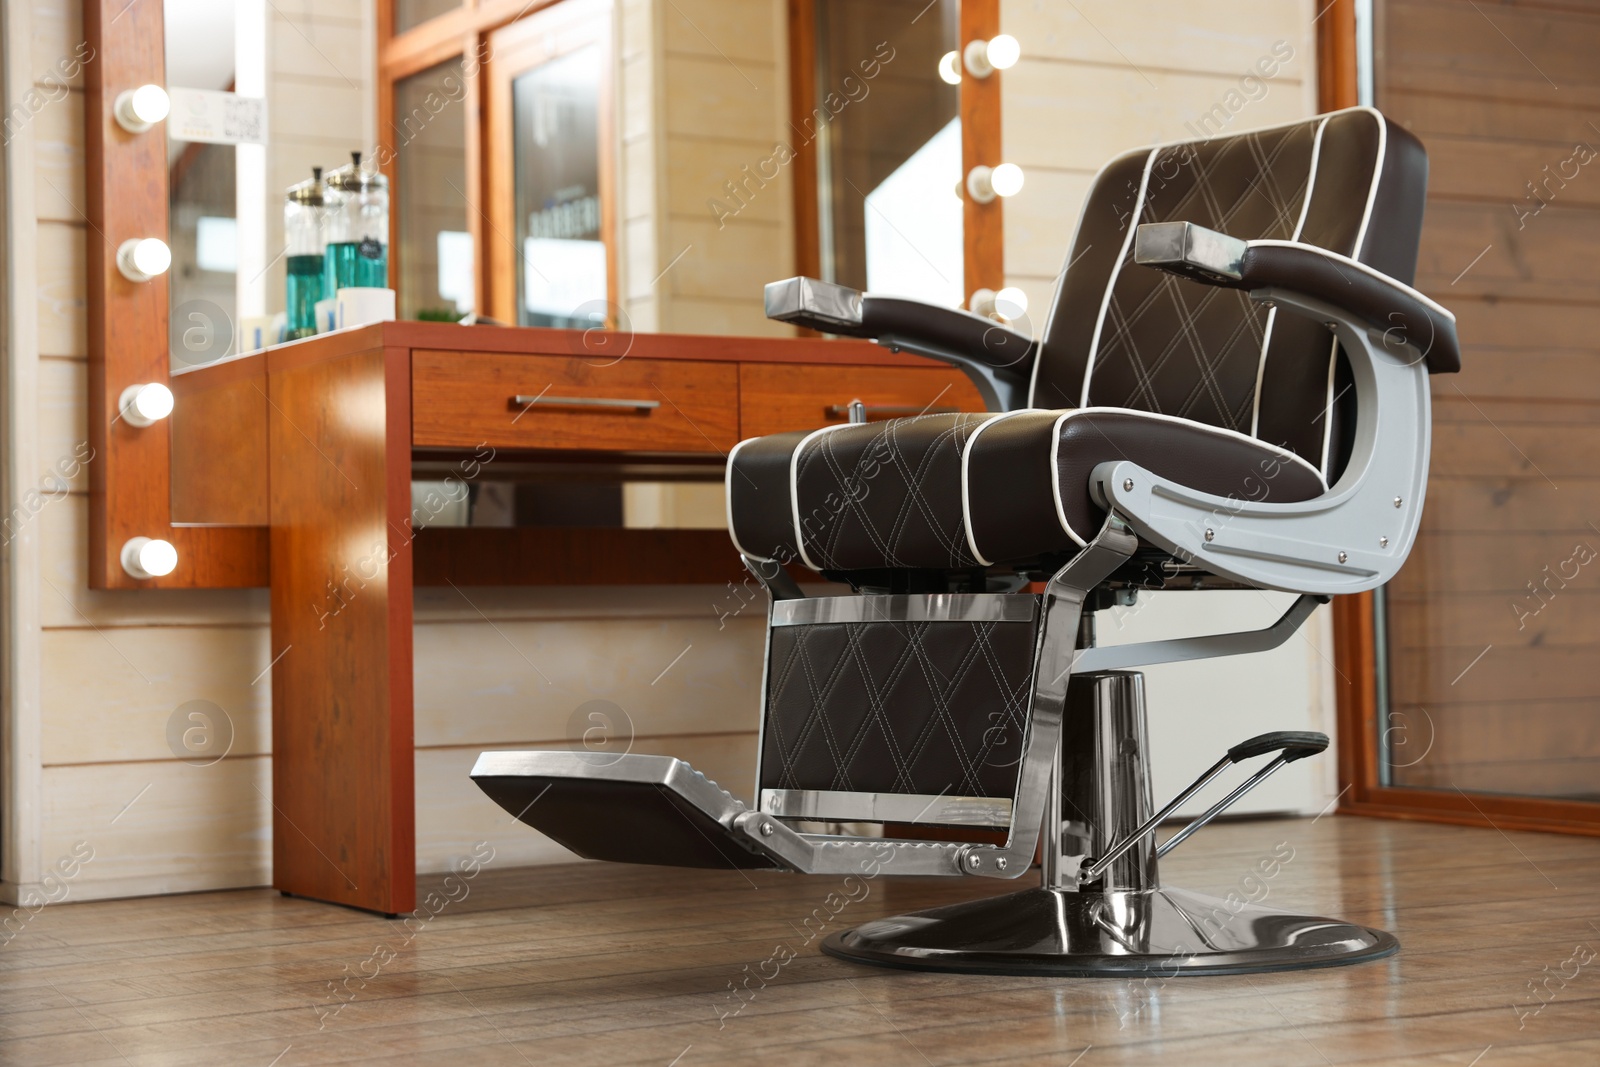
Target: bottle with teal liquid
357 251
306 277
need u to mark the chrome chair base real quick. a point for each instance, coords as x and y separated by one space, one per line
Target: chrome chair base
1154 933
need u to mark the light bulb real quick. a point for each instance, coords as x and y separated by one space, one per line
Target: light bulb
145 405
149 557
983 58
1006 179
142 258
1011 302
1003 52
137 110
986 183
950 68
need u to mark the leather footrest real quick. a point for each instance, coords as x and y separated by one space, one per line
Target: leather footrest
626 809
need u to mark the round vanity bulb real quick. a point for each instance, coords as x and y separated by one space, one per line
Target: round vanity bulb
1003 52
950 68
142 258
983 58
139 109
986 183
145 405
982 302
1006 179
149 557
1011 302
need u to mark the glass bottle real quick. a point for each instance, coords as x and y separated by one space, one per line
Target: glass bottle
303 222
358 228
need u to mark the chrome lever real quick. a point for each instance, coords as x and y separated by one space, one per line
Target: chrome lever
1290 745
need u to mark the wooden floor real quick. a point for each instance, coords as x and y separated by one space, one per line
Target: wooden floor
593 964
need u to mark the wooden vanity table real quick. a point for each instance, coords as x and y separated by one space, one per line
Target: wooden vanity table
292 467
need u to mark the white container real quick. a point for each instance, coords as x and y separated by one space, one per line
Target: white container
257 332
362 306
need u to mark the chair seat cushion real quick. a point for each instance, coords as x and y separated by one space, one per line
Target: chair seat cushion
957 491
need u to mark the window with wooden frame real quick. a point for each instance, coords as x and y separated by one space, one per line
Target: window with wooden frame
496 135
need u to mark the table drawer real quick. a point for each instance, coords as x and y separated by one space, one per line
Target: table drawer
775 397
460 399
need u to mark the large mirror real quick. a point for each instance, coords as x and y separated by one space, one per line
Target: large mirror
577 165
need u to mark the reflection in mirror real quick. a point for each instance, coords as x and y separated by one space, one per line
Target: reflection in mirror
434 261
582 500
562 271
202 189
889 152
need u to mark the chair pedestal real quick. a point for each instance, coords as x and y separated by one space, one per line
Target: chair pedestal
1124 923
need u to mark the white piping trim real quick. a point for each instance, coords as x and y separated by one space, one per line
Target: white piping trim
1055 451
794 489
1272 315
966 494
1066 264
1311 182
1111 283
1377 176
727 493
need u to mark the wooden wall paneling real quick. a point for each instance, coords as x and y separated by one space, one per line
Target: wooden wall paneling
342 714
983 225
1501 703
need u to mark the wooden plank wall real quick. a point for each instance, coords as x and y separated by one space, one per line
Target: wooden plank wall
1504 95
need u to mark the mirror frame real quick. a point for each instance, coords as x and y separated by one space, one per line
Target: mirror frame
130 477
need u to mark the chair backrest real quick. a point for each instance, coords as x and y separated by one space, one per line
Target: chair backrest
1120 335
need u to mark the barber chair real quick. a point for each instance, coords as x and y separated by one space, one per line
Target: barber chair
1231 391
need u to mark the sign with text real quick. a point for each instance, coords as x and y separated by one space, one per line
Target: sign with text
216 117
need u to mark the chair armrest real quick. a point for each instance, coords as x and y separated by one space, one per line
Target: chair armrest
1403 315
1354 537
998 359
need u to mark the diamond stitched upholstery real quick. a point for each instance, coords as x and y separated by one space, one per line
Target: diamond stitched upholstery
906 707
948 492
883 491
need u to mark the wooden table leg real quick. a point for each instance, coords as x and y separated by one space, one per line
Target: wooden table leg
342 714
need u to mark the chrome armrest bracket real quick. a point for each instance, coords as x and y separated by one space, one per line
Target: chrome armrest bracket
1355 536
1001 389
1210 646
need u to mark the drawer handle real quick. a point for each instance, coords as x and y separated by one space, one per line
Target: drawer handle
586 402
887 411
